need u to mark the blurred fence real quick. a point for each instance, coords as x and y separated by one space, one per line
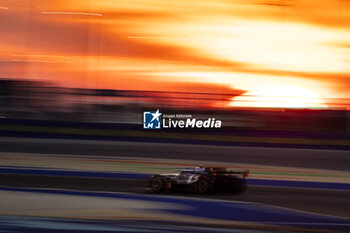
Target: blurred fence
134 132
38 109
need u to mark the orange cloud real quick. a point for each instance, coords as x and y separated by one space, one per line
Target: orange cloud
138 43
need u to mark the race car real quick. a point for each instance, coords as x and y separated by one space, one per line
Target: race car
201 180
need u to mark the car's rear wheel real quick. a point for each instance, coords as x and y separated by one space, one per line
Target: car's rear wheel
157 184
240 187
202 186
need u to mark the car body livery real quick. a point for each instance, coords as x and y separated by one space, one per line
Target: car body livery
201 180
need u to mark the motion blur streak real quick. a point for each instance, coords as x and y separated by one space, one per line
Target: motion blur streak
79 80
144 45
70 13
157 38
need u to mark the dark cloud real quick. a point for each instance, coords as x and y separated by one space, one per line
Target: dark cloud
200 88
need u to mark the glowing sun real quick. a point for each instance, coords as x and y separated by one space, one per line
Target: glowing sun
279 97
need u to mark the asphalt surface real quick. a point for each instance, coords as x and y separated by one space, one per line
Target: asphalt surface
319 201
19 224
287 157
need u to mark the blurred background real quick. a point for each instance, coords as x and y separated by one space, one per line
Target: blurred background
275 72
257 65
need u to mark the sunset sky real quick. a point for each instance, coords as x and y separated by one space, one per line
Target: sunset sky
257 47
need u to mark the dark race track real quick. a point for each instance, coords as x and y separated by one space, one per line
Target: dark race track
16 224
319 201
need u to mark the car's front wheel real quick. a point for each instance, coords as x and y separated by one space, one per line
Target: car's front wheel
157 184
202 186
